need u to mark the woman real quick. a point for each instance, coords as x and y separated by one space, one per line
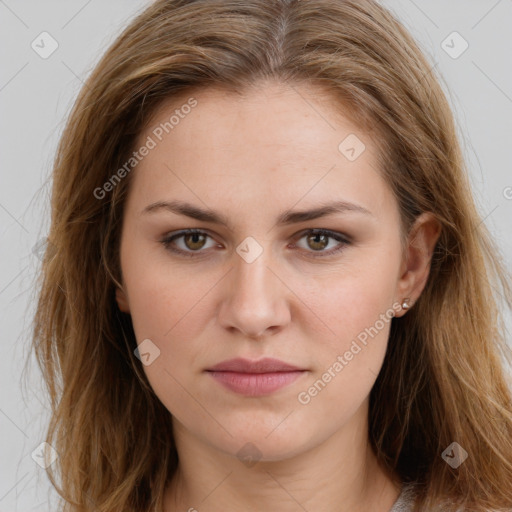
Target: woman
271 289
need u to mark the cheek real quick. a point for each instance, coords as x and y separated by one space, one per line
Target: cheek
358 308
355 304
358 314
162 296
164 310
350 298
169 308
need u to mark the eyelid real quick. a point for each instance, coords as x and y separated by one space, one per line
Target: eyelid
339 237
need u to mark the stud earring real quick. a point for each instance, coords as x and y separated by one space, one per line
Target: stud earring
406 304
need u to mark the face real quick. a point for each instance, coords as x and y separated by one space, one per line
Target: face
257 279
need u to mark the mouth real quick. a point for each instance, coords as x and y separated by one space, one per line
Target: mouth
255 378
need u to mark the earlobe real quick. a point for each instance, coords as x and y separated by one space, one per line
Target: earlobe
122 301
418 257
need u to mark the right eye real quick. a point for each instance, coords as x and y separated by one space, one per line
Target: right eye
193 241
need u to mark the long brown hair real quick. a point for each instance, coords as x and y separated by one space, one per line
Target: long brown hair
443 378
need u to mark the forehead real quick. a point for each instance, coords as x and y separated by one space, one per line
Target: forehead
295 113
274 141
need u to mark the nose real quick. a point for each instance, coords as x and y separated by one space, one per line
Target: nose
255 300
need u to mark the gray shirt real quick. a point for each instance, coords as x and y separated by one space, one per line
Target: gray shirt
405 500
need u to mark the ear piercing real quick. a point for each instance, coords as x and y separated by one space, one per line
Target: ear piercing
406 303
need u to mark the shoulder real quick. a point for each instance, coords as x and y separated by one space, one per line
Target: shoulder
405 500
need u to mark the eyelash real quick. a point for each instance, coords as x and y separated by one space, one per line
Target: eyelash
167 242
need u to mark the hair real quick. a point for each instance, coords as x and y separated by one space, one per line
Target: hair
443 379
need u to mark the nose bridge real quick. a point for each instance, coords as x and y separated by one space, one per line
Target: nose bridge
251 275
254 301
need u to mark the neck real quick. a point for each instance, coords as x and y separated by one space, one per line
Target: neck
342 474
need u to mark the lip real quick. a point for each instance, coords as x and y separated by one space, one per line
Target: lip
255 378
265 365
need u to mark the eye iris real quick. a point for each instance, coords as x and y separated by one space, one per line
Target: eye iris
194 237
323 244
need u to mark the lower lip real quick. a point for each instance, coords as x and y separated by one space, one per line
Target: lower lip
255 384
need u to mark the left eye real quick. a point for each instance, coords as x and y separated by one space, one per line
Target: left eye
195 240
318 240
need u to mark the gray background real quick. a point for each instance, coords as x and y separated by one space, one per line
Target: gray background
36 95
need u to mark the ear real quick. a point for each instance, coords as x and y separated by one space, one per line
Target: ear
415 268
122 300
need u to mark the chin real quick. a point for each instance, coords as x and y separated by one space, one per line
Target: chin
258 442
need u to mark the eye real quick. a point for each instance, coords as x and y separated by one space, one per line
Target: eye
193 239
318 240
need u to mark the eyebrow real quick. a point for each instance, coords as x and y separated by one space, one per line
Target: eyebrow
286 218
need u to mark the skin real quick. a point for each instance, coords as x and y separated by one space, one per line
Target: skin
250 159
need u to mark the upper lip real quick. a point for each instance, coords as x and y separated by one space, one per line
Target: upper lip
265 365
